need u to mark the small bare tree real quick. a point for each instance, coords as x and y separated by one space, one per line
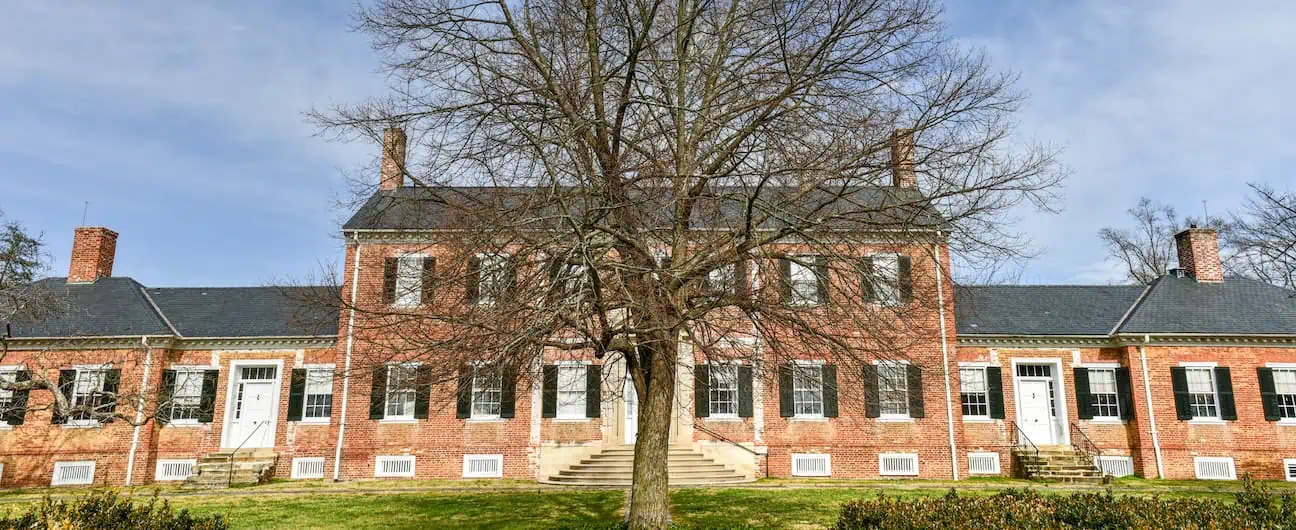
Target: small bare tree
659 182
1264 236
1147 249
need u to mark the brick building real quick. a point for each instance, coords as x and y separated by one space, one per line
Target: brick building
1191 376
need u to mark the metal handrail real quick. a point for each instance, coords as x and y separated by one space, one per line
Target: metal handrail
1085 445
229 479
726 439
1020 436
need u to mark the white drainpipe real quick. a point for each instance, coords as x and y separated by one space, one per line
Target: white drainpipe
1147 392
346 374
139 410
949 405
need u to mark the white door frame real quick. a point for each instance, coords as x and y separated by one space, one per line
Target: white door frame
626 425
1062 423
235 369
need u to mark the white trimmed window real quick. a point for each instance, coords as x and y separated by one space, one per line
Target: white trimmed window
805 284
893 389
409 280
724 391
973 392
319 394
401 390
1103 399
7 395
172 470
886 278
186 397
86 393
486 388
492 277
1285 388
1201 393
571 391
807 390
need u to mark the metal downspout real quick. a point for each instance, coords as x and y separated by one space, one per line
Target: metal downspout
949 405
346 374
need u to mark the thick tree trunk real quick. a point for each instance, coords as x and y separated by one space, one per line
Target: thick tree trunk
650 494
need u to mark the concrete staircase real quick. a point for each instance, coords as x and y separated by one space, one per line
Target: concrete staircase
218 470
614 467
1057 463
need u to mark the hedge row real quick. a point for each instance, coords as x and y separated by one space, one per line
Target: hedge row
1256 508
108 511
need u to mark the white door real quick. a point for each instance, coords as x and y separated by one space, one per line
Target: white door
1035 419
254 412
631 413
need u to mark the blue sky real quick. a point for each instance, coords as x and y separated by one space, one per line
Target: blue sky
181 122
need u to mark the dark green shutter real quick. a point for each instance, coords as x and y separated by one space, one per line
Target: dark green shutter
785 280
18 411
994 390
66 382
905 278
1268 394
1084 405
744 391
108 406
1179 382
872 401
472 281
593 391
916 404
509 290
786 405
830 391
508 392
207 401
164 397
389 280
1124 393
549 392
702 391
1224 386
428 287
378 393
422 391
868 289
822 278
463 393
296 394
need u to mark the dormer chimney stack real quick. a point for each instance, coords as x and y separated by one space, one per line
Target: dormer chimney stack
93 250
1199 254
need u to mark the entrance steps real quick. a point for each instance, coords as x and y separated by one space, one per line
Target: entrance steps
219 470
1057 463
614 466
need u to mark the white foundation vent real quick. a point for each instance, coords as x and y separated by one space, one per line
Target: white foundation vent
983 463
308 467
1289 468
898 464
394 466
1116 466
168 470
1215 468
483 466
811 465
73 473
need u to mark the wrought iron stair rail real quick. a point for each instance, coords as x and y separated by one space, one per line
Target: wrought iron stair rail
730 441
1023 442
1083 444
229 479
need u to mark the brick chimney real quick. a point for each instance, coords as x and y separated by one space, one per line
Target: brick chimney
393 159
902 161
93 251
1199 254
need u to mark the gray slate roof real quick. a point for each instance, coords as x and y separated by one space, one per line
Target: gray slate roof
1041 309
1236 306
108 307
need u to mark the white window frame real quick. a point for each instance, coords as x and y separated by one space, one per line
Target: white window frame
499 466
5 371
378 462
713 389
186 371
985 393
76 383
799 365
1209 367
723 279
1198 460
306 394
1282 367
998 467
1115 393
563 366
807 276
159 476
886 278
903 366
296 473
827 459
54 481
491 266
885 456
408 414
475 389
409 280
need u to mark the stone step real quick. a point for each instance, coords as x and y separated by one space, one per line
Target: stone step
626 482
604 466
627 475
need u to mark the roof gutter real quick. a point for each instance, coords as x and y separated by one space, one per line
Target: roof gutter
346 374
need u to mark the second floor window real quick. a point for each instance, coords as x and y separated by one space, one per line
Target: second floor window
806 281
974 394
724 390
409 280
893 389
494 278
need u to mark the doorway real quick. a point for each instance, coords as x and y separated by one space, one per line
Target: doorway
1040 413
631 422
252 405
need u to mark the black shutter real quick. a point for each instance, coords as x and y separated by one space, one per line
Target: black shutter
463 393
868 290
994 390
18 411
508 392
422 391
66 382
872 403
1084 407
112 381
742 288
1268 394
702 391
549 392
822 278
830 391
785 280
296 394
744 391
593 391
207 401
1179 381
786 405
1124 393
1224 385
905 278
916 408
378 393
164 396
472 281
428 288
389 281
509 289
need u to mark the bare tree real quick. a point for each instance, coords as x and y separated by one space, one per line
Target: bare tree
659 182
1264 236
1148 249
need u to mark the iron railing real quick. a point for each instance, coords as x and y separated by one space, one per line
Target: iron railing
229 479
1083 444
1023 442
729 441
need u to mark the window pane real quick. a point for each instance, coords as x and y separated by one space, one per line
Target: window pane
1201 388
974 396
492 277
893 389
400 391
571 391
807 390
805 285
486 392
409 280
1102 393
886 277
187 395
319 393
1285 386
724 390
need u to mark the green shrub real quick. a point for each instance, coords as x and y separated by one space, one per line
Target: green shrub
1256 508
105 511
